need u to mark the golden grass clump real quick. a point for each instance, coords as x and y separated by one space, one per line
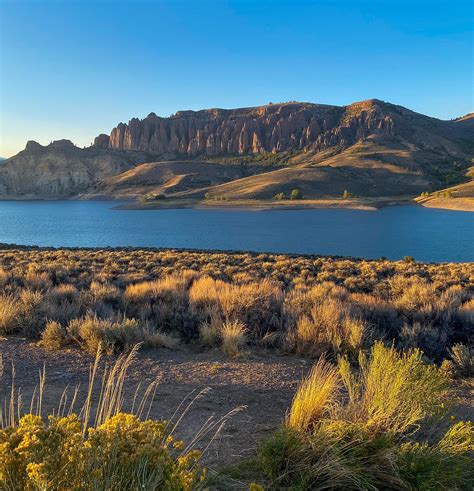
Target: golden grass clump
257 305
21 313
4 277
210 333
105 292
461 362
393 392
329 327
10 312
315 396
163 301
234 338
111 335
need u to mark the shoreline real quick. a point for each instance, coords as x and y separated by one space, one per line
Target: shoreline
454 204
269 205
465 204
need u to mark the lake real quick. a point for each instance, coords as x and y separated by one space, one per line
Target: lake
426 234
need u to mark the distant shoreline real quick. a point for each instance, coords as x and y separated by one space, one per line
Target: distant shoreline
364 204
267 205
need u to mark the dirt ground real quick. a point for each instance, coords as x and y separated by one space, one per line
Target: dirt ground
262 383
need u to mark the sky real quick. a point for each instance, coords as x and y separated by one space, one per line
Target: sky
73 69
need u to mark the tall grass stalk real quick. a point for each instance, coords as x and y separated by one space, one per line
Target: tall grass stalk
315 396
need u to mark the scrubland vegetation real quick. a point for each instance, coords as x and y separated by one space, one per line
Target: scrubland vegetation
370 428
238 301
386 338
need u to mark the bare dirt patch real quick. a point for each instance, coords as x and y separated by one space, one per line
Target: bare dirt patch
263 383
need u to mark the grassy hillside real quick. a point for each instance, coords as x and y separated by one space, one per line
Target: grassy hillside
458 197
168 178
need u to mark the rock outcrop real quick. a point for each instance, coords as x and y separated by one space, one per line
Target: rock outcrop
60 169
273 128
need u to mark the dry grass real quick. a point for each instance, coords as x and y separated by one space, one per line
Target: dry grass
234 338
54 337
210 334
256 304
461 363
10 312
315 396
309 305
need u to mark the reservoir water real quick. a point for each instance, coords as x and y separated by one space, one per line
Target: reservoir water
429 235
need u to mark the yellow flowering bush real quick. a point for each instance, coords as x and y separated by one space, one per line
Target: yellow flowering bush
122 453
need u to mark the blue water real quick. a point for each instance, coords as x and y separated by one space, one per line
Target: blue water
393 232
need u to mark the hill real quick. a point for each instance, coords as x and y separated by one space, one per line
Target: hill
370 148
60 169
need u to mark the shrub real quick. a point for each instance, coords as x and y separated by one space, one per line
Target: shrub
466 314
364 429
105 292
4 277
257 305
296 194
233 338
328 327
428 306
394 392
279 196
164 302
210 334
117 451
54 336
10 312
346 194
62 304
462 360
111 336
37 280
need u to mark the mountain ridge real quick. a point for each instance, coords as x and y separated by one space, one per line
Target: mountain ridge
371 148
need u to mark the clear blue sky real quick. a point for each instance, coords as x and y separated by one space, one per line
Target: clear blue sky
73 69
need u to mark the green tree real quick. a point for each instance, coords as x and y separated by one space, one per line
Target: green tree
296 194
279 196
346 194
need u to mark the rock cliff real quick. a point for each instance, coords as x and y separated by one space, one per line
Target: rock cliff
273 128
